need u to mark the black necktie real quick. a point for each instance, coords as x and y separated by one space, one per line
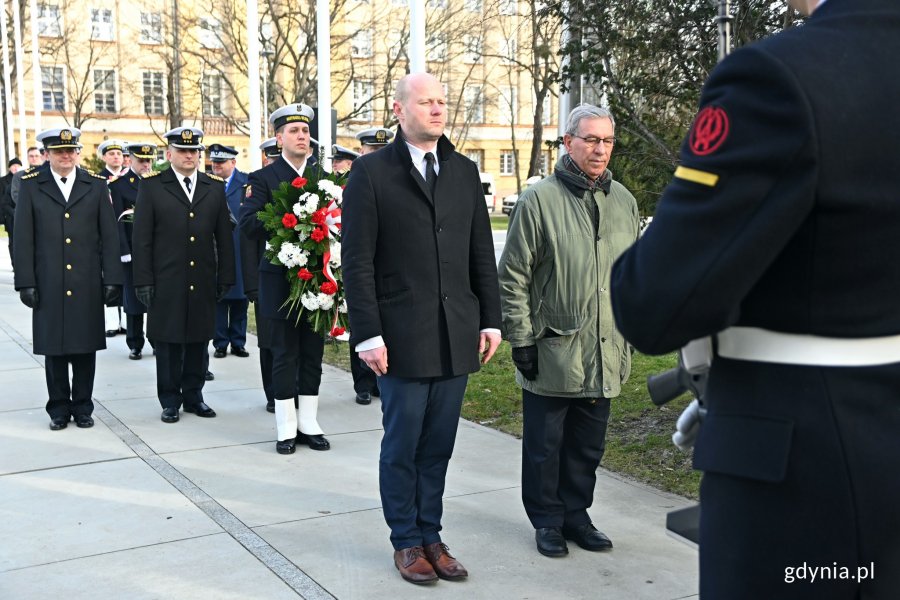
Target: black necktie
187 184
63 179
430 175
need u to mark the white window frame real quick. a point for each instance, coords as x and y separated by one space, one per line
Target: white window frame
210 33
475 6
50 102
105 92
151 28
508 7
507 162
474 48
102 25
213 104
363 93
361 43
437 3
162 91
508 105
509 48
394 41
49 23
473 100
476 155
436 47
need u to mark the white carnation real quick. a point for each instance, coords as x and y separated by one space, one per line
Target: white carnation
268 246
325 301
300 258
286 254
331 189
343 307
310 301
335 259
298 209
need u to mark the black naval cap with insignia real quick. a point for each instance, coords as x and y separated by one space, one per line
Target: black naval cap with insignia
185 137
142 150
107 145
64 137
291 113
221 153
341 153
271 148
376 136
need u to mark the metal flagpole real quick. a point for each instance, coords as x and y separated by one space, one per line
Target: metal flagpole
724 22
564 97
323 63
8 140
416 36
20 88
253 76
35 67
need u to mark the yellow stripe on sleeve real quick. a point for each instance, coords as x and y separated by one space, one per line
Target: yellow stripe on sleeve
701 177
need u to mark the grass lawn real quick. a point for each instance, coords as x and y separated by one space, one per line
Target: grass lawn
499 222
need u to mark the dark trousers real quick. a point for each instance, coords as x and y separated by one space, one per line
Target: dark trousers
65 400
563 440
9 235
180 371
231 324
364 379
296 359
134 331
265 368
420 418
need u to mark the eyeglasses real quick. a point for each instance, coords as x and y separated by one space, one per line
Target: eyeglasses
591 141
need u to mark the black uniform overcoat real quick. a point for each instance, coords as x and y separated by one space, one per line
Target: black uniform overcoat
124 194
182 248
68 251
784 215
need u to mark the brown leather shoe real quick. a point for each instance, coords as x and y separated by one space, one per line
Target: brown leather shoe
413 565
446 567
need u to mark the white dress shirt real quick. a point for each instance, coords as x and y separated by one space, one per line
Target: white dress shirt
65 188
193 178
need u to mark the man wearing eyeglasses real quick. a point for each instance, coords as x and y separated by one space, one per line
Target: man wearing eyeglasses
564 234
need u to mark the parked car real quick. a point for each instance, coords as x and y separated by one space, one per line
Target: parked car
487 184
510 201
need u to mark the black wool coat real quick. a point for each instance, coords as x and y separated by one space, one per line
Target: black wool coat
68 251
124 194
419 270
182 248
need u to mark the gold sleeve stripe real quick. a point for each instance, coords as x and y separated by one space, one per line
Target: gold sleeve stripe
701 177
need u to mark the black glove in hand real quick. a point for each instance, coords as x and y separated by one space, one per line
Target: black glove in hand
252 295
221 291
145 294
112 295
29 297
526 361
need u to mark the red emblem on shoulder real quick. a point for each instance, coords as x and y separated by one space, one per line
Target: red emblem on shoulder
710 130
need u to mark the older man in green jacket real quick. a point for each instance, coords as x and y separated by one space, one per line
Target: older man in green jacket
564 234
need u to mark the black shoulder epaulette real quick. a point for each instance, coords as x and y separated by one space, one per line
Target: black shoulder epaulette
30 175
215 177
150 174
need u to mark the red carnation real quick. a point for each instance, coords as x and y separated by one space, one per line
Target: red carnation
329 288
304 274
318 234
338 331
318 217
289 220
299 182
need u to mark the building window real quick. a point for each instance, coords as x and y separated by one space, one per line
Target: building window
210 33
436 47
53 88
507 7
363 90
395 43
154 94
48 20
546 115
545 163
361 45
508 105
477 157
509 49
474 5
212 95
437 3
151 28
104 91
473 49
474 102
507 162
102 24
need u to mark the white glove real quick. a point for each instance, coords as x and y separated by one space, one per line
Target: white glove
688 426
126 258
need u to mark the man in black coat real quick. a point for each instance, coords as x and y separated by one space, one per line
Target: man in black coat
124 191
7 208
424 306
67 267
296 349
181 248
778 236
111 152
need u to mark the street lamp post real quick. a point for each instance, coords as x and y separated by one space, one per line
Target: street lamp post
265 54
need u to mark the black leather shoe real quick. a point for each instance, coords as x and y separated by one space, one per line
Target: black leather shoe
270 406
201 410
242 352
111 332
122 330
587 537
135 355
209 376
57 423
364 398
220 353
550 541
286 447
84 421
315 442
376 393
169 415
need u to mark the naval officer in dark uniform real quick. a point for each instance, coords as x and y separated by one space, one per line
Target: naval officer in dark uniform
67 266
183 261
296 349
124 191
778 236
